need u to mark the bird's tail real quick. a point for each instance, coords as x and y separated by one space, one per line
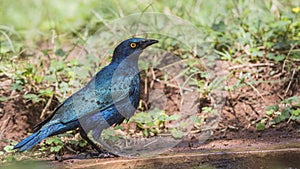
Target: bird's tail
41 134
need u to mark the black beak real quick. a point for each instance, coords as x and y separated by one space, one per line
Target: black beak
147 43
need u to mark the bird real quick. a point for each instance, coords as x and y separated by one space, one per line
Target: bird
111 96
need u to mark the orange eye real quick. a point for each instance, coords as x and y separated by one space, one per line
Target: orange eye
133 45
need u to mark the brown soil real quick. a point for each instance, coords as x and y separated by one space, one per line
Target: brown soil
243 107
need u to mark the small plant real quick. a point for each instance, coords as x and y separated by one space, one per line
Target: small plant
276 115
9 155
55 143
63 143
154 122
111 135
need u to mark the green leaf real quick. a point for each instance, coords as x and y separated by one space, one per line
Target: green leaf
108 134
57 66
295 112
273 107
49 140
43 148
150 124
195 119
64 87
207 109
60 52
118 127
277 58
177 134
205 74
47 92
286 112
173 117
260 126
162 117
224 55
8 148
219 27
257 53
33 97
10 158
50 78
290 100
3 98
146 132
73 142
296 118
46 51
269 112
55 140
16 86
38 79
82 143
56 148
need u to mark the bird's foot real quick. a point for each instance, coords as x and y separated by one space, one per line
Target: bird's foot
100 155
58 157
107 155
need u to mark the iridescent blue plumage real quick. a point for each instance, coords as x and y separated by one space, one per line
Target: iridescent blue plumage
111 96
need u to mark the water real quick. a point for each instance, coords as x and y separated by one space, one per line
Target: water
257 159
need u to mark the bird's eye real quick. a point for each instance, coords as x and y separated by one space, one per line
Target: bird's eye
133 45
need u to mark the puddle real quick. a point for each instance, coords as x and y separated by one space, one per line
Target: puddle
288 158
27 165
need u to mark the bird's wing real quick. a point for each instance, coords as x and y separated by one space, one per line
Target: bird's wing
95 96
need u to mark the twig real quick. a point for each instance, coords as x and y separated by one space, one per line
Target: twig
174 86
289 85
150 143
146 86
251 65
153 77
280 96
145 104
46 107
287 56
253 87
256 91
177 62
70 149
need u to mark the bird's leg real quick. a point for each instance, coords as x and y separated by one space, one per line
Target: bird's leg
85 137
101 152
58 157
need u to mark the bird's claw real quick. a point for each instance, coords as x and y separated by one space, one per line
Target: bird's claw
100 155
106 155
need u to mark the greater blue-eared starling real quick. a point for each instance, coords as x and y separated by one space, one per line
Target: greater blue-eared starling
111 96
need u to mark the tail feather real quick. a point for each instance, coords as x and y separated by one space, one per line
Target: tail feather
43 133
26 140
32 141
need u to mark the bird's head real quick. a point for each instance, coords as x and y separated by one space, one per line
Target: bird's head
132 47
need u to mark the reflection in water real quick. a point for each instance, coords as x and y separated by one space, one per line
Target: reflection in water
287 159
28 165
273 160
